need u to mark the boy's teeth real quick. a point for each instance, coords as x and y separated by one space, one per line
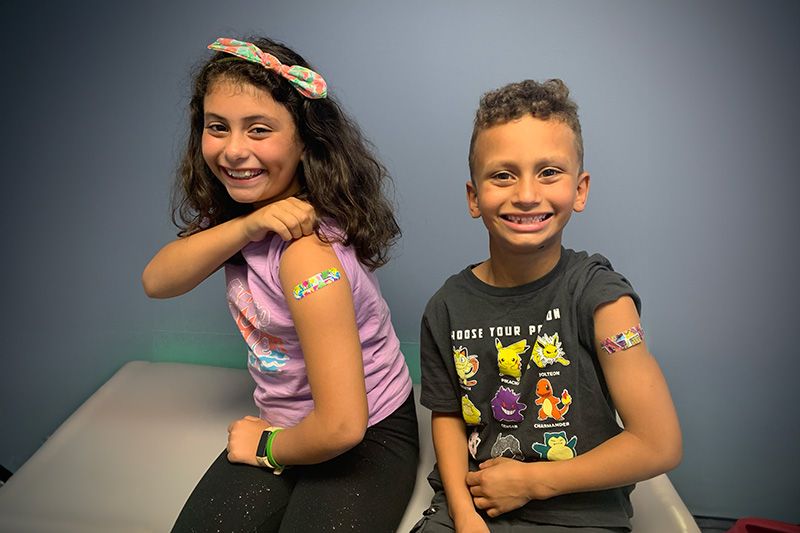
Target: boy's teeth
526 220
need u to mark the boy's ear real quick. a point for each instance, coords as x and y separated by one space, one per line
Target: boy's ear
582 192
472 200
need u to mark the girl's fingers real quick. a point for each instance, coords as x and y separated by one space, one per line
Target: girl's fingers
290 218
293 221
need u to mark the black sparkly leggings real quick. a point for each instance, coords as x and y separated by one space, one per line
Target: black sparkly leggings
366 489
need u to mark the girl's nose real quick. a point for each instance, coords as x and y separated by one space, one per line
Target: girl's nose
236 148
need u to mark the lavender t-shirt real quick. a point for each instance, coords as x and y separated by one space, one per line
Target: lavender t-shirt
275 358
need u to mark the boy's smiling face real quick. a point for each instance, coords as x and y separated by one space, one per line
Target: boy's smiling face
527 181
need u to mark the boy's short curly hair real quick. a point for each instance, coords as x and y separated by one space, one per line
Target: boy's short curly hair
545 100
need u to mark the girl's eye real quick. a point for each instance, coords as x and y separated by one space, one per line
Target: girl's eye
260 130
216 128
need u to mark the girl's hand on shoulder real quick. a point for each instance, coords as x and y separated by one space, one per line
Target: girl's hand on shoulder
291 218
243 437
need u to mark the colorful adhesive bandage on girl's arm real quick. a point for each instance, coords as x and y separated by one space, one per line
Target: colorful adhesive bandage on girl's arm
623 341
315 283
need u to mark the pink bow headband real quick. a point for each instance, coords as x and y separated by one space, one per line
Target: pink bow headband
309 83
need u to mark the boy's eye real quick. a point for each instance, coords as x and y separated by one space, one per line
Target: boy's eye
549 172
502 176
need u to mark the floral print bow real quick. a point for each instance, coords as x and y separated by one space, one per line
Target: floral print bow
309 83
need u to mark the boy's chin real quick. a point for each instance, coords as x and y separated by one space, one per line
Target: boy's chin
523 247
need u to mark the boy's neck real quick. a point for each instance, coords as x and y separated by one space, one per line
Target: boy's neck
513 270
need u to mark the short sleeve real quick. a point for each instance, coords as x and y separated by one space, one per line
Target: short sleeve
440 391
600 285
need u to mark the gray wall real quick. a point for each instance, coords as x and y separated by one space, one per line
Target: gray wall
690 128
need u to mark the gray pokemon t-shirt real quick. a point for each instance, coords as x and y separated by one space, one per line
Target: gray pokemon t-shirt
520 365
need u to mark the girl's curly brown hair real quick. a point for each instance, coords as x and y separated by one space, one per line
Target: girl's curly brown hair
339 174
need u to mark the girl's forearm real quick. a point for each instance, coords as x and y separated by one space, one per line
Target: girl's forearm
183 264
315 440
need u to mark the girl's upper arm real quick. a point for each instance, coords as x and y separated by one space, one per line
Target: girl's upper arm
324 318
635 381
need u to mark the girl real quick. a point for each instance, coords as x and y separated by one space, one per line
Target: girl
278 185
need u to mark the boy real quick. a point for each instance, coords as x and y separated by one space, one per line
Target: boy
528 356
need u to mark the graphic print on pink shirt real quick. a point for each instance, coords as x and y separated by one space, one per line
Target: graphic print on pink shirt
265 351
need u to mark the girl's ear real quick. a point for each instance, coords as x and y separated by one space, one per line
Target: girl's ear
472 200
582 192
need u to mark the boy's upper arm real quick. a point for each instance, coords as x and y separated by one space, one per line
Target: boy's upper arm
320 300
440 391
634 379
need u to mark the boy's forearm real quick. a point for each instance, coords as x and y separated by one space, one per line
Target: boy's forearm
621 460
450 444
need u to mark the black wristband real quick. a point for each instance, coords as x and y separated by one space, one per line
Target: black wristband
261 451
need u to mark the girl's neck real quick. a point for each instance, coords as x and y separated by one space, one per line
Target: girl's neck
294 190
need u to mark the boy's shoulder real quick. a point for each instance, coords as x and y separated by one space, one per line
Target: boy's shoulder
574 270
592 280
580 263
455 284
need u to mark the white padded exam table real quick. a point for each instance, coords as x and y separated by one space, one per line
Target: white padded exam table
128 458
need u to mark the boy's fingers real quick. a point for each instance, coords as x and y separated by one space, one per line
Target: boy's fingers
480 503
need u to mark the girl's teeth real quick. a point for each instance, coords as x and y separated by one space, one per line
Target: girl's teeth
242 173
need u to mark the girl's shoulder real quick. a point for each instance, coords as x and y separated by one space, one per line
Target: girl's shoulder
310 255
308 249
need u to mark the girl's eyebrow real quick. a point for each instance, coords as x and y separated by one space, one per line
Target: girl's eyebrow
250 118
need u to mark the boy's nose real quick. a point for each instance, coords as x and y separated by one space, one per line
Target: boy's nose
528 191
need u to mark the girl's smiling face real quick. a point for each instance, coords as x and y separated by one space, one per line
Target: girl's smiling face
250 142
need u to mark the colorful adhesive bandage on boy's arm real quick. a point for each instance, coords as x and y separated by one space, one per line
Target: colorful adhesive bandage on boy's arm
315 283
622 341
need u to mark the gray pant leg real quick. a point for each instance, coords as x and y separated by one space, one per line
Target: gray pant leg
436 519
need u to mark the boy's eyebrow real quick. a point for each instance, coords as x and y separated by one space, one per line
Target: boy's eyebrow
549 161
501 163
